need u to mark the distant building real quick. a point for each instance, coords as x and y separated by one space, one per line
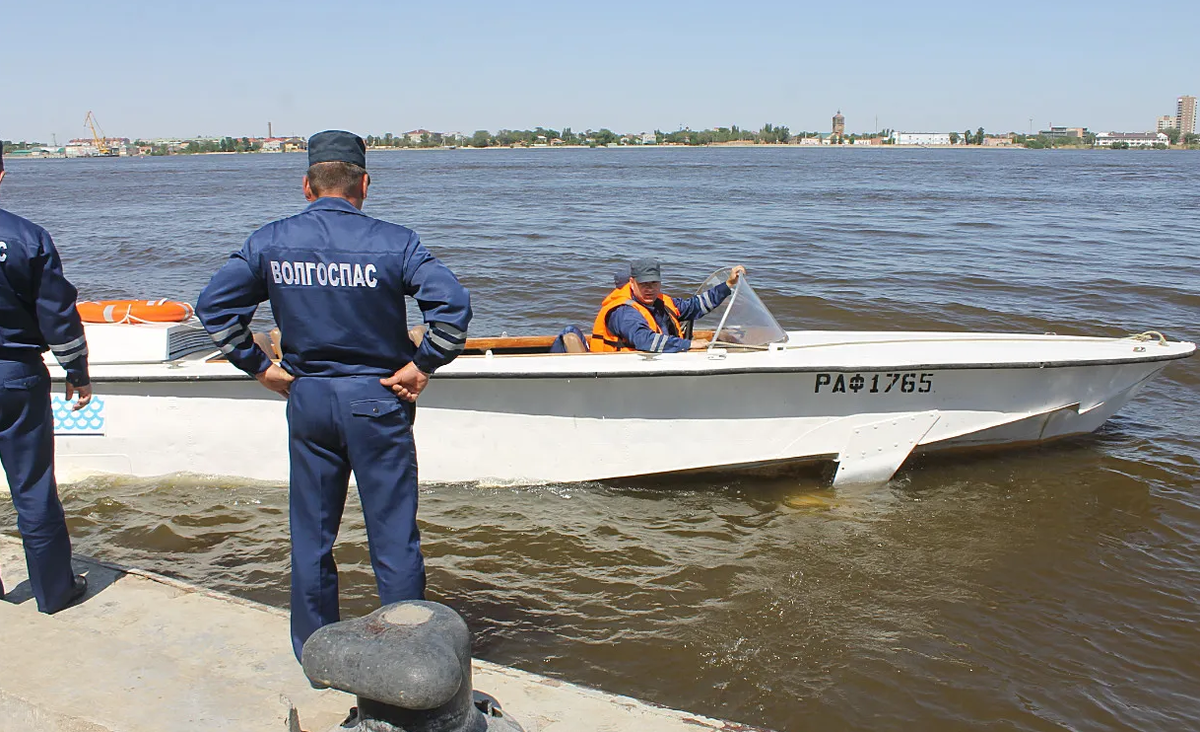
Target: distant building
1061 132
649 138
1185 115
839 124
1133 139
997 140
1165 122
81 150
415 135
922 138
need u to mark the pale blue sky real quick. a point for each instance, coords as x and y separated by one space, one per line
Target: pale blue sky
159 69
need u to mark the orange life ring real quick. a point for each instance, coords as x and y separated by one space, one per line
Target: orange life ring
134 311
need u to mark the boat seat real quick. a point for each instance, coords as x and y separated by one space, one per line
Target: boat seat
271 343
263 341
573 343
416 334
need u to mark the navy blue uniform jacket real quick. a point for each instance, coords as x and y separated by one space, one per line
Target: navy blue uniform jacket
336 279
37 303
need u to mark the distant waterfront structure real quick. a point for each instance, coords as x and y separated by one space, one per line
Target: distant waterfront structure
1078 132
922 138
1185 115
1133 139
839 124
1165 122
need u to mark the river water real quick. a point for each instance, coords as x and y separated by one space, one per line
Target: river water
1038 589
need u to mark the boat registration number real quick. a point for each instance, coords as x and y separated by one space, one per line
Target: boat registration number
904 382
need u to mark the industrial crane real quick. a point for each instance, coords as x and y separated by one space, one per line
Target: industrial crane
100 142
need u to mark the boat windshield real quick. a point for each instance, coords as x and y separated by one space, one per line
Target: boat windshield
742 320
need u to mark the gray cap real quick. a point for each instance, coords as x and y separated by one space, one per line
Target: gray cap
645 270
621 275
337 146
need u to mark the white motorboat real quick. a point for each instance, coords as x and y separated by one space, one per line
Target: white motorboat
507 411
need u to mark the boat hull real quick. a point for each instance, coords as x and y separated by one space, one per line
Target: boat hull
536 428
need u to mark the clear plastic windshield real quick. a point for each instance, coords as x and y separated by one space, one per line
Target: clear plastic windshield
742 320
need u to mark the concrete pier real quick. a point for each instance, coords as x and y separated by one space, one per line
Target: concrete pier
144 653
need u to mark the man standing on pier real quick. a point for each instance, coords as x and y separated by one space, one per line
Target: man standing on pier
336 279
37 312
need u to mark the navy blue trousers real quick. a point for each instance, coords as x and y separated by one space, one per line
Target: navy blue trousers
27 452
339 425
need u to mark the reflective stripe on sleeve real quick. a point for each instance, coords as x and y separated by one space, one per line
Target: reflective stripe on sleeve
449 331
442 344
65 348
71 358
232 334
447 338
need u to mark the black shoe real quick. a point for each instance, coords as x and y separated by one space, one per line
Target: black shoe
78 590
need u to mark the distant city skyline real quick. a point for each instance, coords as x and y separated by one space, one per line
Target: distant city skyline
230 68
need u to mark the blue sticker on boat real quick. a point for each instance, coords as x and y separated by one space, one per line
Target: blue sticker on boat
87 421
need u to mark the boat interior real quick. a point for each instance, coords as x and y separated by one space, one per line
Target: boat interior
271 342
742 322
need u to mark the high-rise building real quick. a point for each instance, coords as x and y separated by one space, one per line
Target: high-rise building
839 124
1185 115
1165 123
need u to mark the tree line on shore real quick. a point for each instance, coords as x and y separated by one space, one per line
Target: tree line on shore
1045 142
768 134
225 144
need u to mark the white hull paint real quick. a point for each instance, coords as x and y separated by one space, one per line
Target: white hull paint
864 400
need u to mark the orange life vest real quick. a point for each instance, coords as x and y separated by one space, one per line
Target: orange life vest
604 340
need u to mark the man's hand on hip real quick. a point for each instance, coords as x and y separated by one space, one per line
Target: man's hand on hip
407 383
277 380
85 395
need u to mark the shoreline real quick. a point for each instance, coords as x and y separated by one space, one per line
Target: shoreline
716 146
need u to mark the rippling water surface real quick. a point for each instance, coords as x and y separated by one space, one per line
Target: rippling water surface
1047 588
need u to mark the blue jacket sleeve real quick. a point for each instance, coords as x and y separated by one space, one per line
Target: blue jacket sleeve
445 306
226 306
629 325
698 306
56 314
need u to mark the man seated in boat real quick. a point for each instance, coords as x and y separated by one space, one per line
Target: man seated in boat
638 317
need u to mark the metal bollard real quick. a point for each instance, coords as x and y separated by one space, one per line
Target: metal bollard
409 665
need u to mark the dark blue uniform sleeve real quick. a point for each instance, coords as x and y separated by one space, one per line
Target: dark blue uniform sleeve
56 314
698 306
628 324
226 306
445 306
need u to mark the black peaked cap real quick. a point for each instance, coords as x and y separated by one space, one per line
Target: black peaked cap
337 146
